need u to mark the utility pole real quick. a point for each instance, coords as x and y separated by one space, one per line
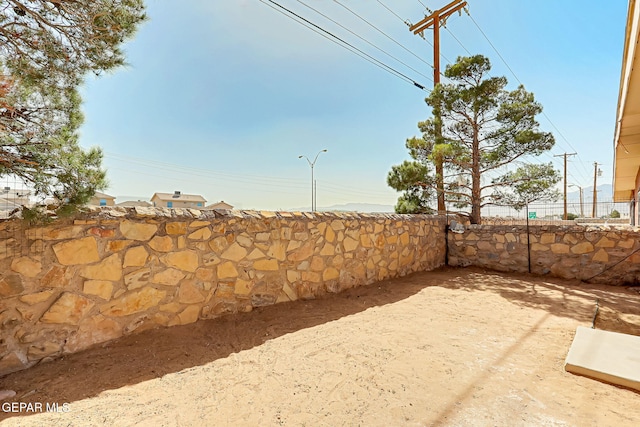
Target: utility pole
434 20
565 155
596 173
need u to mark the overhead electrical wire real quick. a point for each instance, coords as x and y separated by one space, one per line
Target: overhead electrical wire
201 171
405 21
424 5
289 13
250 181
554 160
186 180
523 160
456 39
519 81
382 32
365 40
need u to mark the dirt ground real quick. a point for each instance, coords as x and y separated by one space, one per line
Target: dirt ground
454 347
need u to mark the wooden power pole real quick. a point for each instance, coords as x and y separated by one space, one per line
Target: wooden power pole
435 20
565 181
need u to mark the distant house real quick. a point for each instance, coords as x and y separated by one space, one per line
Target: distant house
6 207
134 203
102 199
178 200
220 205
14 197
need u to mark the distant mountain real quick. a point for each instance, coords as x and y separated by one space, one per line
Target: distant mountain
605 193
351 207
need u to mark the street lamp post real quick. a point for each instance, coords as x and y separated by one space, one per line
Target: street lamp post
312 164
581 200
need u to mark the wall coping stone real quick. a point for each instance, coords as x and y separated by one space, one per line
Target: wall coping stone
138 212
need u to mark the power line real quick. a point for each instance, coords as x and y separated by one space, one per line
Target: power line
382 32
519 81
249 181
194 170
269 189
371 59
398 16
456 39
363 39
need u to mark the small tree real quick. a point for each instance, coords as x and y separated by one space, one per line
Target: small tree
615 214
46 49
485 130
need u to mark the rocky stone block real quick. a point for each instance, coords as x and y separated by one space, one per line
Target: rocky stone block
219 244
134 302
235 253
266 265
289 291
184 260
262 300
109 269
118 245
161 244
277 250
605 243
601 256
93 330
36 298
100 288
42 350
12 362
69 309
227 270
582 248
330 274
176 228
10 285
168 277
189 293
102 232
560 248
200 234
137 230
187 316
135 257
77 252
26 266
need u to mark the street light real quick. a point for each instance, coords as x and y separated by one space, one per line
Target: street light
312 164
581 202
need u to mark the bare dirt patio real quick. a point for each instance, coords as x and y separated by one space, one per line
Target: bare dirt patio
454 347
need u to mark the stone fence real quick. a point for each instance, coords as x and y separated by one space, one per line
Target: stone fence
115 271
596 254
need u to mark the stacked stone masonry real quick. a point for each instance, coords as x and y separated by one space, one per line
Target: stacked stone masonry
116 271
603 254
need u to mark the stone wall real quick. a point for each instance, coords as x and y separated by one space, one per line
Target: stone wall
598 254
116 271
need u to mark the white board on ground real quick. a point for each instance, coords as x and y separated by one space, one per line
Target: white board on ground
607 356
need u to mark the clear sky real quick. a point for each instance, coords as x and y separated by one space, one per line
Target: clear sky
220 97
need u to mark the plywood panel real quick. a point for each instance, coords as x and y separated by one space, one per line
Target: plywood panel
608 356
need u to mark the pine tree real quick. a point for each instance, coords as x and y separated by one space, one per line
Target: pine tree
486 129
47 47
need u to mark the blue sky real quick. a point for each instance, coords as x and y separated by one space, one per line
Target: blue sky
221 97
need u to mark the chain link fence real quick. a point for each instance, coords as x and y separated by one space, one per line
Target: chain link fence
604 212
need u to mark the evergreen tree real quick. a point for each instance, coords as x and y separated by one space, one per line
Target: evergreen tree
47 47
485 130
